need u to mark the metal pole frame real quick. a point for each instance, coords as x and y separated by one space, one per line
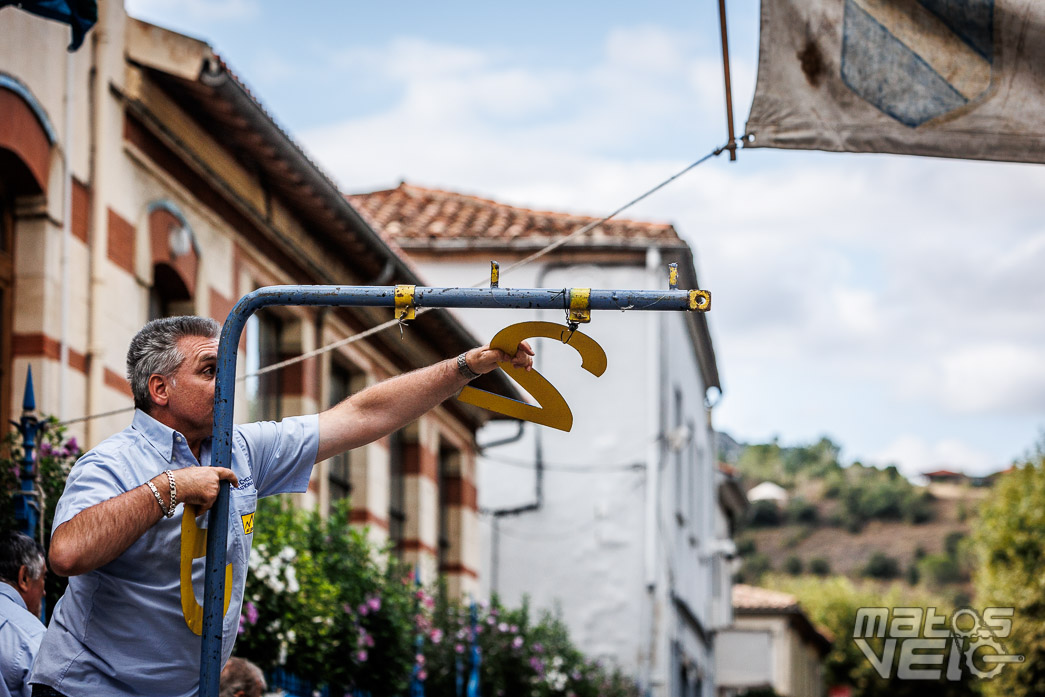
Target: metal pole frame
365 296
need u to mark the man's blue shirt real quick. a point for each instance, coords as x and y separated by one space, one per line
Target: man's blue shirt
120 629
20 635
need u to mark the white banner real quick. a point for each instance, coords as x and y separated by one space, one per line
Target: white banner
947 78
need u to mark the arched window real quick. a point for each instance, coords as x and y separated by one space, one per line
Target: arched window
175 261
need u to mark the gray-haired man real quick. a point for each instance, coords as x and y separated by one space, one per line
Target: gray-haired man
121 628
22 573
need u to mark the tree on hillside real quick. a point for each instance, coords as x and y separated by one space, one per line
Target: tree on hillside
1010 539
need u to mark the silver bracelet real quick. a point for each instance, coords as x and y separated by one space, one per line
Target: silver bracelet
463 369
174 494
155 493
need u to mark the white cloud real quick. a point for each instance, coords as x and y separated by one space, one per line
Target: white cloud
994 377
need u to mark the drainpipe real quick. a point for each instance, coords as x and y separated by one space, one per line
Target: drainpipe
654 377
67 210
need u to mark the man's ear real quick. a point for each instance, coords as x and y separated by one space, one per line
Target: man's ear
158 389
23 578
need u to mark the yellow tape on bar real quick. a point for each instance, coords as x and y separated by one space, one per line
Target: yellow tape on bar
580 305
404 303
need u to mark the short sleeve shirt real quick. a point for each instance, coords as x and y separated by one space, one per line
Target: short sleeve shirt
20 635
120 629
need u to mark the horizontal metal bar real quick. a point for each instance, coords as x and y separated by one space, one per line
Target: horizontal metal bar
491 298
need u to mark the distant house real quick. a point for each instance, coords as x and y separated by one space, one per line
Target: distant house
771 644
945 477
768 491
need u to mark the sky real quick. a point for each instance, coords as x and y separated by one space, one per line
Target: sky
893 304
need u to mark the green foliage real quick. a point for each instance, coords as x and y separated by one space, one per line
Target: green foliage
881 566
521 656
801 511
793 565
818 566
324 604
788 466
865 493
753 568
55 455
940 569
913 575
1010 538
764 514
321 602
833 603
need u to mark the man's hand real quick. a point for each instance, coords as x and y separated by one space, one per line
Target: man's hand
484 359
197 485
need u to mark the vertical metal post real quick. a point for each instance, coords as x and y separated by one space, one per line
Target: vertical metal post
417 685
473 675
27 508
729 89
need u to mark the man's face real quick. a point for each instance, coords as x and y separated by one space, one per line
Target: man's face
191 388
32 590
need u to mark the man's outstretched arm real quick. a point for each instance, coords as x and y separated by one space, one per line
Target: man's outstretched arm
389 405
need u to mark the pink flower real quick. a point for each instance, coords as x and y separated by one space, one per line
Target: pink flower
252 612
459 648
363 609
429 602
419 659
436 636
422 674
502 627
517 642
374 603
361 656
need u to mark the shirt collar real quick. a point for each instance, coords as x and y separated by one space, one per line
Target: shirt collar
161 436
8 591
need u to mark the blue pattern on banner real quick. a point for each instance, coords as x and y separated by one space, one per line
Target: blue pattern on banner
972 20
882 70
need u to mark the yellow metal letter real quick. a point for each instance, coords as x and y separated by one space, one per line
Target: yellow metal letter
194 546
552 410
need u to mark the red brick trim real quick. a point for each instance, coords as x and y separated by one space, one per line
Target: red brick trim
23 345
121 242
415 546
23 135
81 210
460 569
117 382
419 460
461 492
365 517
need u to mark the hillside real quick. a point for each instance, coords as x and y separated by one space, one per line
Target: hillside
857 521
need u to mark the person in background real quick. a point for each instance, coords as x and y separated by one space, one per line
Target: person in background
241 678
22 572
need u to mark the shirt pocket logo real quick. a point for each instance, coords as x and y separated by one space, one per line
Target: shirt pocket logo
248 523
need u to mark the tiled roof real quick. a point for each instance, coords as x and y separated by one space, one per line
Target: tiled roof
409 212
755 598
